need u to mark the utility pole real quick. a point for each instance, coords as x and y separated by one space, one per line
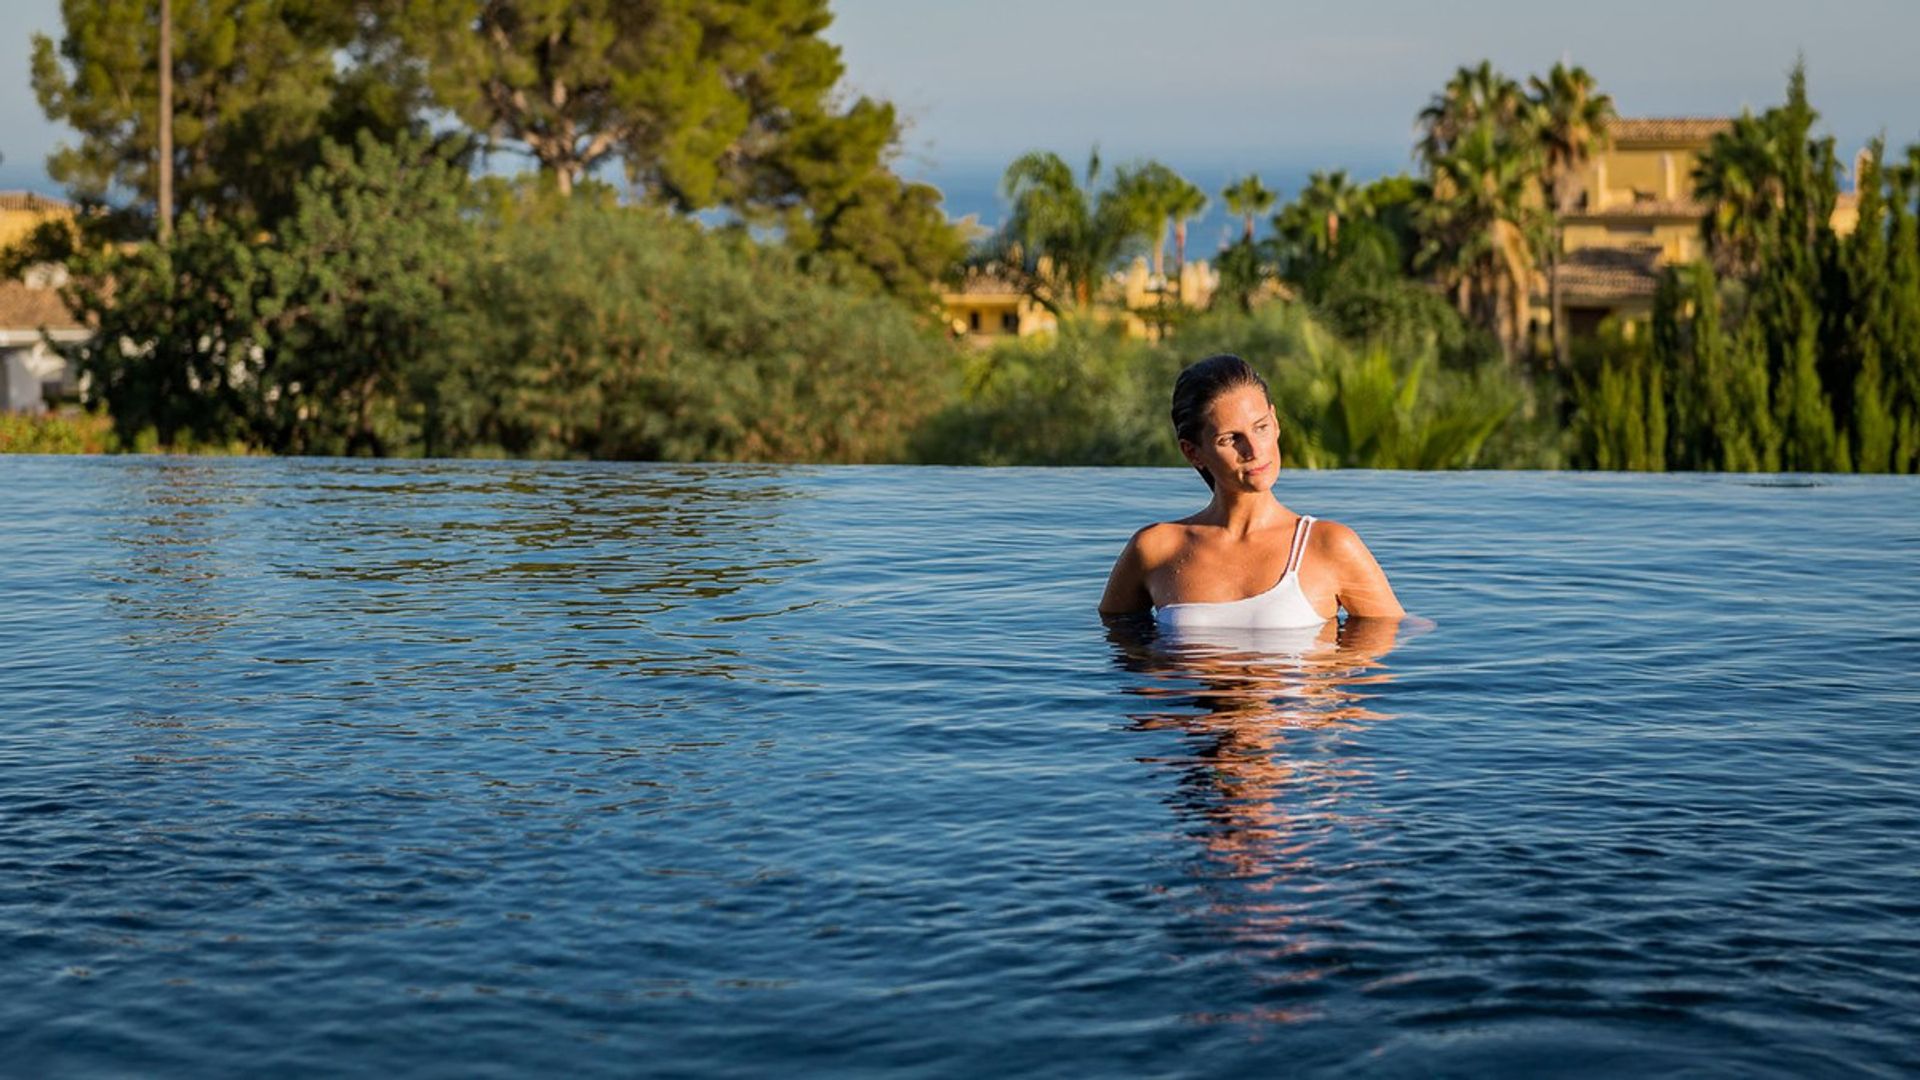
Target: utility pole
166 121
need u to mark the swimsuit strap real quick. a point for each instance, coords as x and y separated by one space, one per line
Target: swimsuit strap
1299 551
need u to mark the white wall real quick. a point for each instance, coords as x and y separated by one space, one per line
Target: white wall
27 367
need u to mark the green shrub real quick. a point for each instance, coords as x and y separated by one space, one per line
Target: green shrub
1092 397
54 433
609 332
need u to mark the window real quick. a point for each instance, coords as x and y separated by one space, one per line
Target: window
973 321
1010 322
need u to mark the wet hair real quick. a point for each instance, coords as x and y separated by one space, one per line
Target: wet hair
1200 384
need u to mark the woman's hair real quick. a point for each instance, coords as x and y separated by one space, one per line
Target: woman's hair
1200 384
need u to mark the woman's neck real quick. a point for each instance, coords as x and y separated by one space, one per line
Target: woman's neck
1244 512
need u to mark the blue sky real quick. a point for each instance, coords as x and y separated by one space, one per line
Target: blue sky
1220 87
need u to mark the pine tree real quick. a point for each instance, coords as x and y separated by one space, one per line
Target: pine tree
258 87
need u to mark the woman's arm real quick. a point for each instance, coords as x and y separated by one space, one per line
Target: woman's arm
1127 584
1364 590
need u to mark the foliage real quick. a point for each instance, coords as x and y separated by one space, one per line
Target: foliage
1063 233
1481 229
1805 355
1247 198
296 343
1621 420
1088 397
55 433
613 332
258 87
1153 196
1474 97
1568 119
1403 317
881 235
388 316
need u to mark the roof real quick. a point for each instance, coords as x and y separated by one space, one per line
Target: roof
1602 273
24 308
1691 209
36 203
1667 129
985 283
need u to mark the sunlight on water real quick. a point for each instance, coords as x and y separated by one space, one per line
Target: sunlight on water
469 768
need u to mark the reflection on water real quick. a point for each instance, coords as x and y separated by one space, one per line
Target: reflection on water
1266 778
477 767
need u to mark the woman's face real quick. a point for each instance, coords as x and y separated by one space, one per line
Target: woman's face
1239 441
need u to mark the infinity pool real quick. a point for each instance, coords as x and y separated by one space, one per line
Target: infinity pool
485 769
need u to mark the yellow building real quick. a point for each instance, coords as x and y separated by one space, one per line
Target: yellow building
32 374
22 211
989 306
1634 214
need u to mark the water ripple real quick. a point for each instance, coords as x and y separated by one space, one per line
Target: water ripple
486 768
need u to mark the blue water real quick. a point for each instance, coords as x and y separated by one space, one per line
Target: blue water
485 769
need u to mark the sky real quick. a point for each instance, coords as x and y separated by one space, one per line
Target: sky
1218 88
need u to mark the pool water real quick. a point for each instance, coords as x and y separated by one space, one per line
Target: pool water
476 769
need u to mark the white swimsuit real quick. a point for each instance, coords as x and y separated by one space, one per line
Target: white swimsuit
1284 606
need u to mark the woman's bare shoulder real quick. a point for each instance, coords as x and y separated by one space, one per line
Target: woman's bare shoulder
1332 535
1339 544
1160 541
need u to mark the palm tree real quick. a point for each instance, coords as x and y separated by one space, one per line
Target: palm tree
1152 196
1473 95
1568 122
1741 178
1066 235
1140 195
1308 228
1185 201
1479 229
1248 198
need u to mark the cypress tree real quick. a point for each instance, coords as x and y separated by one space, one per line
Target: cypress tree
1787 311
1674 350
1864 316
1750 440
1900 355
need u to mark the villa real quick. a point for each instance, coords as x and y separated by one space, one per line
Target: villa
33 375
988 306
1635 214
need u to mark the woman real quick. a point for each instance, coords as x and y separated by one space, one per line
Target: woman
1245 561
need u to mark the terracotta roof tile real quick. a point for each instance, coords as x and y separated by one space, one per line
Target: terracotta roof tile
23 308
27 200
1667 129
1610 273
1649 208
985 283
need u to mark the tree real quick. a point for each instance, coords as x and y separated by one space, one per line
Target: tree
698 98
1568 122
1185 201
1479 230
299 342
1061 234
357 280
1862 322
1473 97
256 90
1309 226
1154 196
1902 351
886 235
1740 179
1247 198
